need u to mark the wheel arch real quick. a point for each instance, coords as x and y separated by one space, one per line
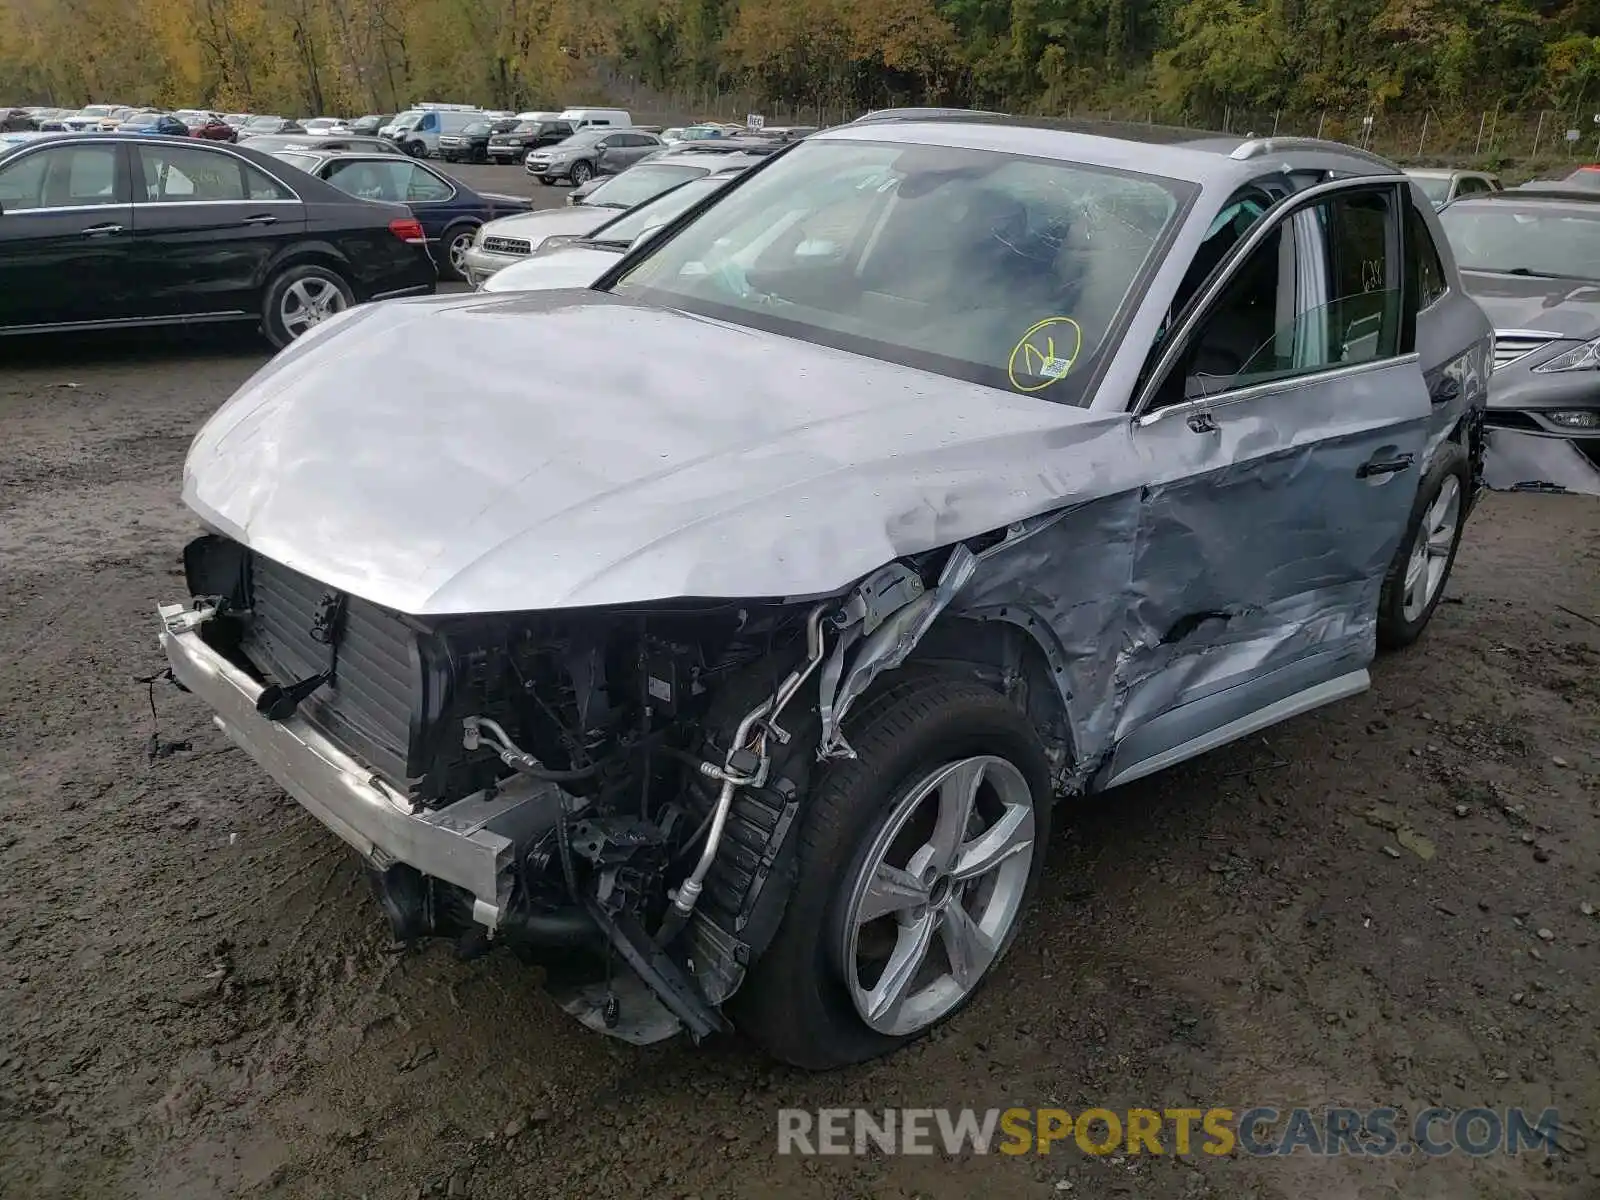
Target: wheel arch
310 253
1014 651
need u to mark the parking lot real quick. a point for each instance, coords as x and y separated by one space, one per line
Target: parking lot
1388 902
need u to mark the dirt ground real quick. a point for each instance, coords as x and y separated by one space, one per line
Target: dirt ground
198 997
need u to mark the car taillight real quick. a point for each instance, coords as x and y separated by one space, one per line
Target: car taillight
407 229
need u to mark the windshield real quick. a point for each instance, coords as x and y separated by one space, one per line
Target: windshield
1001 270
99 110
407 120
1498 235
264 122
1435 187
584 137
653 214
641 183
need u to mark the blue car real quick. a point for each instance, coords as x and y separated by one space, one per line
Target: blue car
449 211
163 123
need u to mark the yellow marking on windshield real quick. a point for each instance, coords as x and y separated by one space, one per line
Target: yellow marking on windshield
1039 353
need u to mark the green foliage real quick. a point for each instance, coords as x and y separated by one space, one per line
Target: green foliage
1186 59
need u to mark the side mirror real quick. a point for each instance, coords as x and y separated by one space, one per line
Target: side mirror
602 147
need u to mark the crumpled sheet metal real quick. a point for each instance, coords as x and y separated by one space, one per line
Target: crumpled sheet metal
886 648
1160 594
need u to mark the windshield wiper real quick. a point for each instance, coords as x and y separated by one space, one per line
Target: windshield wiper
1525 272
603 243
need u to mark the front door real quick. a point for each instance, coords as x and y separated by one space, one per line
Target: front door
206 224
1284 430
66 237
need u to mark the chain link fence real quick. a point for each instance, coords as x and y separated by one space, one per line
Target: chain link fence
1518 144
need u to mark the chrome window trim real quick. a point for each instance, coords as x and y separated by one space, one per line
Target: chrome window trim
1201 305
1274 386
68 208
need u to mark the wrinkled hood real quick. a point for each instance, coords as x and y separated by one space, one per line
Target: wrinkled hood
1565 307
560 267
576 220
542 450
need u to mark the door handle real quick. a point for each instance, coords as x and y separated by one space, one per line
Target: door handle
101 230
260 219
1385 466
1201 422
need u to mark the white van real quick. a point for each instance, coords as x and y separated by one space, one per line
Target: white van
579 118
417 130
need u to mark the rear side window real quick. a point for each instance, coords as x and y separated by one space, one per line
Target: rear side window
1425 279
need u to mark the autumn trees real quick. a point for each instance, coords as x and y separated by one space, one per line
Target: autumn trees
1182 57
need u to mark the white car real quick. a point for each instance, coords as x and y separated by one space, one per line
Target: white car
509 240
577 260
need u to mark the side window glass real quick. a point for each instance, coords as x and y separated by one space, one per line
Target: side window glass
424 186
22 183
1425 279
1317 293
262 186
177 173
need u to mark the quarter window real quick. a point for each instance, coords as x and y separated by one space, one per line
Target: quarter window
1425 279
1319 292
63 177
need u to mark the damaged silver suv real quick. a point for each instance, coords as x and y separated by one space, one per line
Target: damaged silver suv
737 625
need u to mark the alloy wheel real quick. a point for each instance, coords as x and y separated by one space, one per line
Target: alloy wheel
459 245
1430 551
308 302
938 893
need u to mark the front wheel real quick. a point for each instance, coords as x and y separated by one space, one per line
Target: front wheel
416 149
457 241
917 860
582 172
1416 579
300 298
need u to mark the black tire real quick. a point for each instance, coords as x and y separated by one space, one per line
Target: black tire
1395 629
581 173
795 1003
547 180
447 257
417 149
272 322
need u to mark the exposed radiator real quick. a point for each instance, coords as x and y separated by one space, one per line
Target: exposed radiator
368 708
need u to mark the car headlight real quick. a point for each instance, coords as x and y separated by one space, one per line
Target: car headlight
1575 418
1580 358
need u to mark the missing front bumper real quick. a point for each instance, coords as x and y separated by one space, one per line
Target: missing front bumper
471 844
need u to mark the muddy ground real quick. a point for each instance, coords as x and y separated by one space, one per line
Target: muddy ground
198 998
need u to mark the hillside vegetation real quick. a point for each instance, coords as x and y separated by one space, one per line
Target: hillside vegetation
1188 60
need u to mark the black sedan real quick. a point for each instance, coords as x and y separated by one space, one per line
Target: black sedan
449 210
119 230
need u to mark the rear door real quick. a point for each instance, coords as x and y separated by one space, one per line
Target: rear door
206 223
66 237
1285 428
428 194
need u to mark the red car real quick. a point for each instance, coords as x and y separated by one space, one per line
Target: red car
208 125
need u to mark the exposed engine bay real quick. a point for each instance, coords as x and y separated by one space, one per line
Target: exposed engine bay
656 757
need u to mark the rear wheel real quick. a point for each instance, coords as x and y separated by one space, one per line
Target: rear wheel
301 298
917 860
582 172
1416 580
457 241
